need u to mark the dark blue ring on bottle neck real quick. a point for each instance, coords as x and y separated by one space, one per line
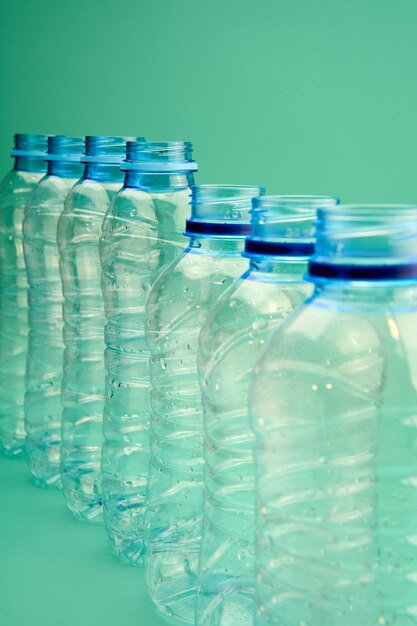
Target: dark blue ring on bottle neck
348 272
216 229
297 249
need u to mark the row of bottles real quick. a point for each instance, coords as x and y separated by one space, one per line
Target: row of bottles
239 410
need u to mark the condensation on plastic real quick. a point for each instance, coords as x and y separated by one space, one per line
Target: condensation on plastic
43 407
177 306
15 190
79 232
142 233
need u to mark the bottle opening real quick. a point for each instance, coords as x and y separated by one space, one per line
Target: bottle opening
366 242
65 148
284 225
159 156
221 210
30 146
106 149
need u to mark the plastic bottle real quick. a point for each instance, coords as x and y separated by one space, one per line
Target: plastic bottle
177 307
15 189
333 406
79 231
43 407
235 330
142 232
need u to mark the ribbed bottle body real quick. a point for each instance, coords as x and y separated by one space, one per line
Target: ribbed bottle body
43 409
79 231
333 407
230 341
177 306
14 193
334 410
142 233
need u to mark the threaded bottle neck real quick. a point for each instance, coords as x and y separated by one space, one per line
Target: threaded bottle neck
64 156
29 152
103 157
283 226
221 211
371 243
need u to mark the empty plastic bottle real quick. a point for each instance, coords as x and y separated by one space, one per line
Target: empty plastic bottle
177 307
142 232
43 408
278 248
15 189
333 406
79 231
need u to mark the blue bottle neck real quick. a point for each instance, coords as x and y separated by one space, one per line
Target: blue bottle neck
152 181
295 267
25 164
371 295
217 246
103 172
65 169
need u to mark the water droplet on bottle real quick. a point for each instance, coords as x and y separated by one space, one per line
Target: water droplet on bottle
259 324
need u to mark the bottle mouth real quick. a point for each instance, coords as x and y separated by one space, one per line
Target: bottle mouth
283 225
306 202
221 210
28 145
106 149
65 148
366 242
159 156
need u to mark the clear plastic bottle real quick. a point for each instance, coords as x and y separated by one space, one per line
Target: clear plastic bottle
43 407
235 330
15 189
333 406
142 232
79 230
177 307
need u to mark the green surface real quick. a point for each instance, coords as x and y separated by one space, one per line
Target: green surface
310 96
57 571
303 96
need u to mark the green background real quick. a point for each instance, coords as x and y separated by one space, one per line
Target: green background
303 96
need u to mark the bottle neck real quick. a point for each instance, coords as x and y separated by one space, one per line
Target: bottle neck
25 164
293 267
103 172
153 181
217 246
65 169
367 294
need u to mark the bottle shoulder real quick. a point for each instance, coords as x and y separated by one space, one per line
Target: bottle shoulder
196 275
166 210
251 308
49 194
16 187
90 196
323 355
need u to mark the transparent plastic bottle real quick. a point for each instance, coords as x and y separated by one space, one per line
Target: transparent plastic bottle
142 232
177 307
235 330
333 406
43 408
79 230
15 189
